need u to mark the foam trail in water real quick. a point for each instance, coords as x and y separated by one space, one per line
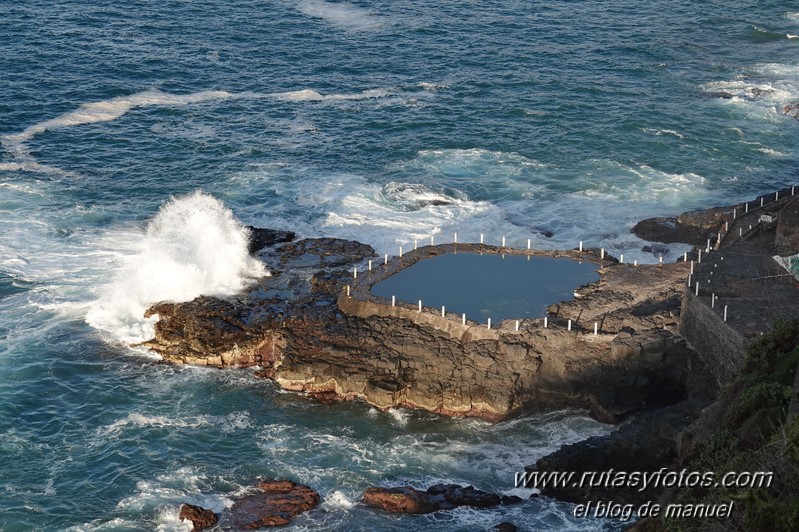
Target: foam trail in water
103 111
310 95
114 108
193 246
342 15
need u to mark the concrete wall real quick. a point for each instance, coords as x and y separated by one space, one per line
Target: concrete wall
720 346
787 239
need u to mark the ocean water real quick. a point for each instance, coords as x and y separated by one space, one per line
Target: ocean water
137 137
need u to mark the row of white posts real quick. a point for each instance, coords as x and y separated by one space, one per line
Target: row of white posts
517 324
463 316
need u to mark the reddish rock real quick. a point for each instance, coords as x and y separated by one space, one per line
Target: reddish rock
199 516
277 504
407 499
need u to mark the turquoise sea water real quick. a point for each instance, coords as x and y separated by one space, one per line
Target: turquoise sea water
383 122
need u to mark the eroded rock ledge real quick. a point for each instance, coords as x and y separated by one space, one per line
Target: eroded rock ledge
299 328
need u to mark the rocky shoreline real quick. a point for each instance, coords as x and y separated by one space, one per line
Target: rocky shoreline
301 329
314 328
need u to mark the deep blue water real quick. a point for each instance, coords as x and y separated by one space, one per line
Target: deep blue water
383 122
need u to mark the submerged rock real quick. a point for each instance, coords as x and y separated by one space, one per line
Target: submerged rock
407 499
199 516
792 110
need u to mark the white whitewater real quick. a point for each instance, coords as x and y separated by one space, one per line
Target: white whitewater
193 246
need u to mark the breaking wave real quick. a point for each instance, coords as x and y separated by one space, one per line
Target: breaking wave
193 246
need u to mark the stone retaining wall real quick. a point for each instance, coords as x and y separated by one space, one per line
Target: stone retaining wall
721 347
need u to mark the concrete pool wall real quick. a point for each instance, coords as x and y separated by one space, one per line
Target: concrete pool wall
357 299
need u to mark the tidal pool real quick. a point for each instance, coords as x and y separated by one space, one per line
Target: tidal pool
489 285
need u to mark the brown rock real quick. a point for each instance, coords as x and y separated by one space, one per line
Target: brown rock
279 502
439 497
199 516
405 500
792 110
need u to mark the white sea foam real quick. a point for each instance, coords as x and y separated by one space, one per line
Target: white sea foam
661 132
136 420
399 415
158 500
762 92
310 95
34 167
773 153
104 111
193 246
342 15
471 192
112 109
338 500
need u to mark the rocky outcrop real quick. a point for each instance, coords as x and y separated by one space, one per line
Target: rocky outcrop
261 238
792 110
645 443
693 227
199 516
439 497
300 328
276 504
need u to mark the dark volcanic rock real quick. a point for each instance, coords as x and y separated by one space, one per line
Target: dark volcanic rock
693 227
505 527
261 238
304 333
792 110
279 502
644 444
324 252
199 516
439 497
210 331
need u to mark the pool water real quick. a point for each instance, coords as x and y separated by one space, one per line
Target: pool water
489 285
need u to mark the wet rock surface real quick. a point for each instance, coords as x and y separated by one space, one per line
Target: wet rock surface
693 227
645 443
276 504
407 499
300 329
261 238
199 516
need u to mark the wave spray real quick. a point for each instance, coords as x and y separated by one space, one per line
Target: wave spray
193 246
